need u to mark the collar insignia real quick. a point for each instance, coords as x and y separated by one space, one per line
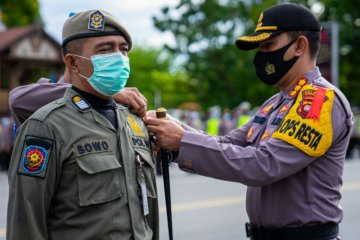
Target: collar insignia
80 103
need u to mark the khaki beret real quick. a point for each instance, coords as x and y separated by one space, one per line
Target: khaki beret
93 23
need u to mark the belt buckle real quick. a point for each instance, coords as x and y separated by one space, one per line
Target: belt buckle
248 230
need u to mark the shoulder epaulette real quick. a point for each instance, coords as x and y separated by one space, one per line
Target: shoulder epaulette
42 113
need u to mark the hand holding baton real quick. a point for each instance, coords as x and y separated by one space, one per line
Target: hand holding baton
166 157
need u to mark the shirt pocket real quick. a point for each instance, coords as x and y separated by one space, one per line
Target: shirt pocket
147 166
98 179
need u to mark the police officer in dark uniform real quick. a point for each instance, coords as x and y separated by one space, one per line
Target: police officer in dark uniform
82 166
291 153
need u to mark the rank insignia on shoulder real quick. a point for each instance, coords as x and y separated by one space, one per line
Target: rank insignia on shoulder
96 21
35 155
80 103
135 127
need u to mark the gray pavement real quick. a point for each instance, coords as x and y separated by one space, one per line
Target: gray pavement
205 208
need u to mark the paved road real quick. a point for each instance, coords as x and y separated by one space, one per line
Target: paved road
208 209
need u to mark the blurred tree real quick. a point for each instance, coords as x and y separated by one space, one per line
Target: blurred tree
348 16
205 33
19 12
151 73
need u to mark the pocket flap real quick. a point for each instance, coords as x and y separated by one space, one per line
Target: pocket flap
98 163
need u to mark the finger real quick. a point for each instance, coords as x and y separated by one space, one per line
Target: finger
150 114
153 129
142 112
140 103
152 121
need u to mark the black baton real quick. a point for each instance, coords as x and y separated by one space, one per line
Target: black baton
166 157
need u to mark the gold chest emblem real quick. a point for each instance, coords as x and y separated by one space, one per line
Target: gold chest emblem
135 127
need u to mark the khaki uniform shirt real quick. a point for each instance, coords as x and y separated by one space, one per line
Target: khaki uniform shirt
73 176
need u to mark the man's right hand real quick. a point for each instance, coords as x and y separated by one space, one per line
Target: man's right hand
134 99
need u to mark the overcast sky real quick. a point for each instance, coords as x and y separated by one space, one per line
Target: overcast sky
134 14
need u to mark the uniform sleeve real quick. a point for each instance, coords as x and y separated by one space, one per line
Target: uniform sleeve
25 100
236 136
251 166
32 179
272 161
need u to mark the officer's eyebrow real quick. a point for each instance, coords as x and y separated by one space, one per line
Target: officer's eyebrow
110 44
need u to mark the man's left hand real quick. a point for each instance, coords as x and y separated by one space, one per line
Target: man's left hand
168 133
134 99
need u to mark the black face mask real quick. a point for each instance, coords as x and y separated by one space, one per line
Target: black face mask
271 67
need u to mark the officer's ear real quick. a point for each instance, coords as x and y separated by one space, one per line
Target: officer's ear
71 63
302 44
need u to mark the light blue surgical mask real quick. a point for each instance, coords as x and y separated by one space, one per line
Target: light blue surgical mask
111 72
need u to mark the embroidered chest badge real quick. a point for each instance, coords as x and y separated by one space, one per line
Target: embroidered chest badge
283 109
34 159
250 133
135 127
265 136
266 109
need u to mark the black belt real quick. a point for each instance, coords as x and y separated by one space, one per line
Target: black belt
318 232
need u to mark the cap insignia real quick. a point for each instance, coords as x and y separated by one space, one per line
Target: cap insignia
96 21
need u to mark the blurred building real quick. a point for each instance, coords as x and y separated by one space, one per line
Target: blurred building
24 50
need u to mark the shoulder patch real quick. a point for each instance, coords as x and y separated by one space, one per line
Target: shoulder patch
312 135
35 156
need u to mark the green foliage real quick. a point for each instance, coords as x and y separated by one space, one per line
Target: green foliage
348 17
150 73
19 12
205 33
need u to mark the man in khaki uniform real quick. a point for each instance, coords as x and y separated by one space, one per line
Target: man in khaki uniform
81 166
